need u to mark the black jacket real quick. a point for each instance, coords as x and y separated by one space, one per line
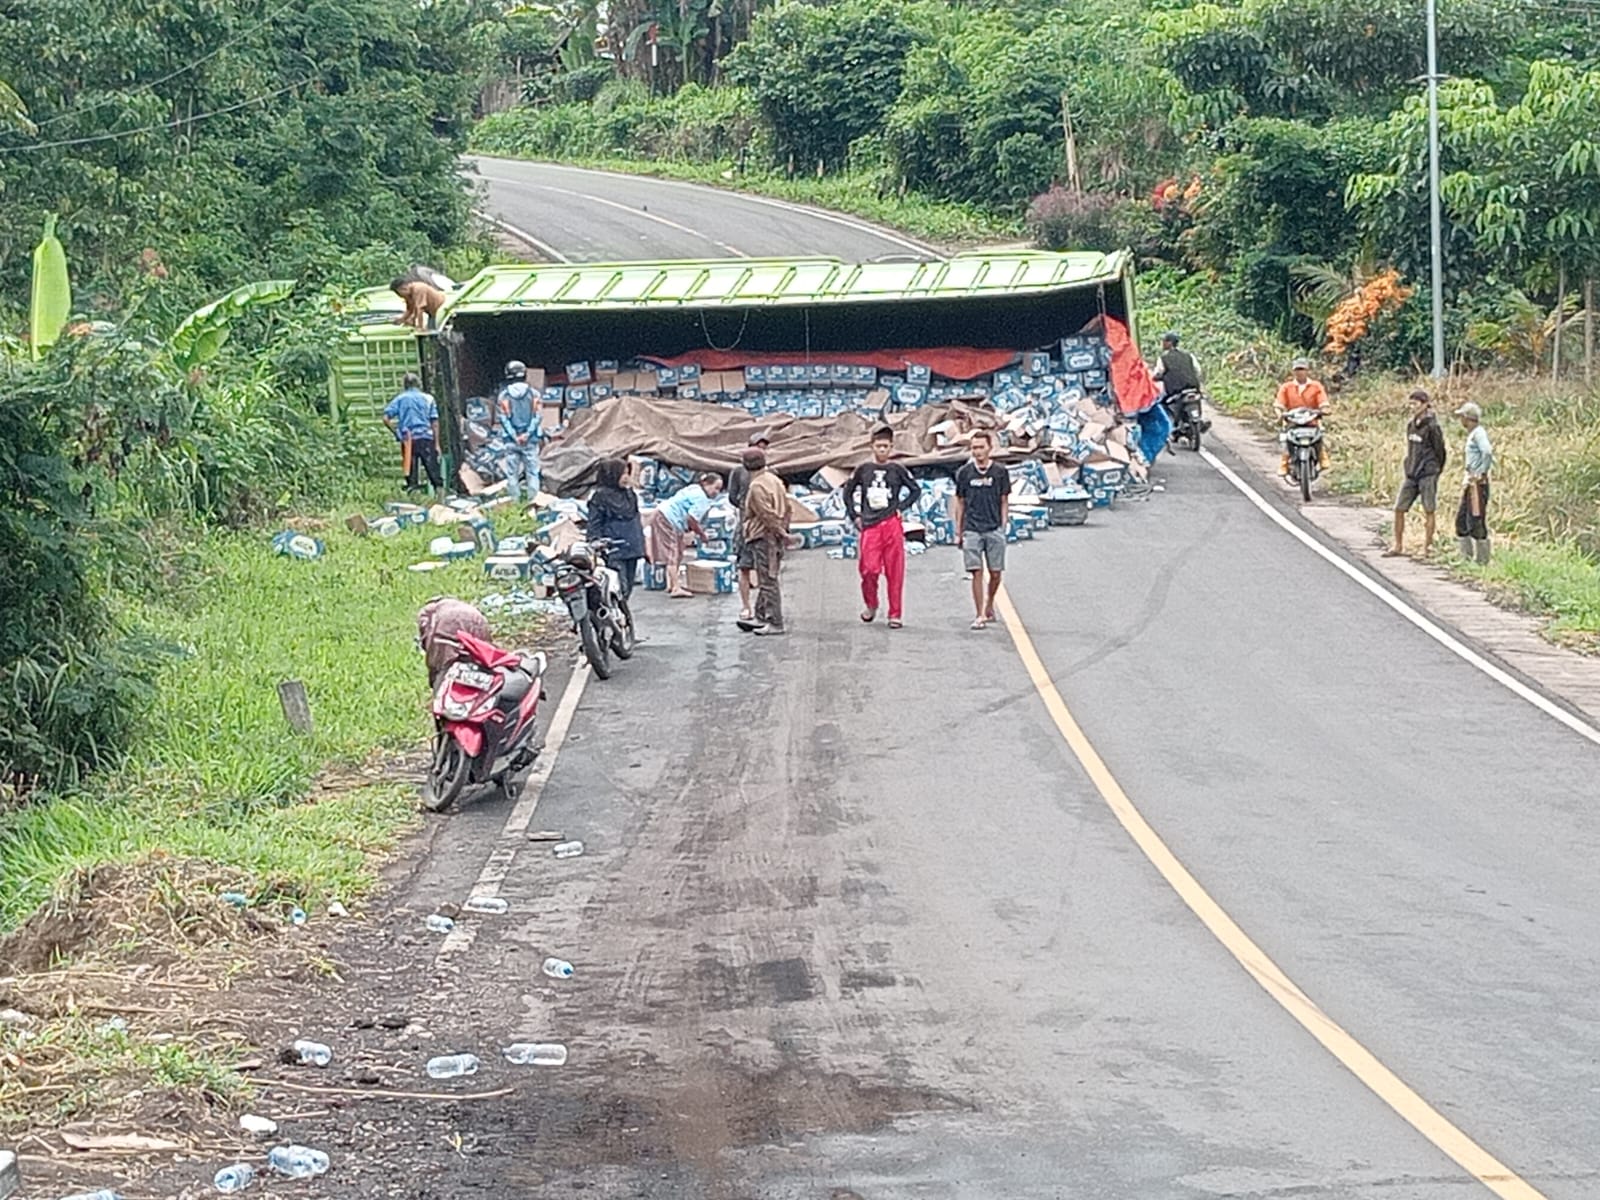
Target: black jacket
1425 452
614 514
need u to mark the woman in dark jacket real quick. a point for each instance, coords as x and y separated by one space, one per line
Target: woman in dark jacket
614 515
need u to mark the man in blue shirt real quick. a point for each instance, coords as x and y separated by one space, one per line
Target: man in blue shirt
674 520
414 418
521 431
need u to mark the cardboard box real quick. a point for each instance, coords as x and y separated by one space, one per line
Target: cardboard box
579 373
688 391
864 376
552 416
918 373
755 377
599 392
689 373
535 378
710 577
1080 360
577 397
606 368
910 395
1036 362
667 377
818 375
552 395
655 576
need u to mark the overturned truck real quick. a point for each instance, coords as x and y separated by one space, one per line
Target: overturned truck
681 361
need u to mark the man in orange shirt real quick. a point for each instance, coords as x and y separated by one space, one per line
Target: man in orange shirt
1302 391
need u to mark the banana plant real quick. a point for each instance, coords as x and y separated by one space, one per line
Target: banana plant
13 112
52 290
202 334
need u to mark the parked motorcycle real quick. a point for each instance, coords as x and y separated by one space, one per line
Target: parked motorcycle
592 592
484 711
1302 442
1188 420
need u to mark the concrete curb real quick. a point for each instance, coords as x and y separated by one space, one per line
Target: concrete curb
1361 533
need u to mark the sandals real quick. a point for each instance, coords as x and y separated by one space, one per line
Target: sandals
868 616
978 623
896 623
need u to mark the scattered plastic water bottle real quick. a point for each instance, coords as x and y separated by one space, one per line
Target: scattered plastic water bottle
114 1026
439 923
259 1126
297 1162
313 1054
236 899
487 904
297 916
449 1066
558 968
536 1054
568 849
102 1194
235 1178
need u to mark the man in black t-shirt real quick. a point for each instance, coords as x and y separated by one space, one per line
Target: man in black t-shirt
983 510
876 495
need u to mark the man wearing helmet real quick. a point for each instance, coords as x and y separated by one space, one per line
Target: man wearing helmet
1177 372
521 431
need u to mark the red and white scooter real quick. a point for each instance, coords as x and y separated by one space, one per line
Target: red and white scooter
484 711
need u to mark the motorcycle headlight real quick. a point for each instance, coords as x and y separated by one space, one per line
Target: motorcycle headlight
456 710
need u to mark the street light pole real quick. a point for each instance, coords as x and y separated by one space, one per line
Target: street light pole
1435 216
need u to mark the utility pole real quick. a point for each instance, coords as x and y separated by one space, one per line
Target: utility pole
1435 216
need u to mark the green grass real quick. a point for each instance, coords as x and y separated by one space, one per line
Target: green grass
1557 581
215 772
942 222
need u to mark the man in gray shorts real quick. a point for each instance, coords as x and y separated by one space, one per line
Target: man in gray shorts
983 509
1425 458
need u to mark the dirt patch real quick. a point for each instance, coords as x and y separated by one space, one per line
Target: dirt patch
157 908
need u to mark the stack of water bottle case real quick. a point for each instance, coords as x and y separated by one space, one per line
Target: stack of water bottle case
1057 404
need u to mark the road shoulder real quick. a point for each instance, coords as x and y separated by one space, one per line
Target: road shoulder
1360 531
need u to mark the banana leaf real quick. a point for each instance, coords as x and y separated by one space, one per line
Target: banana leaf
201 336
52 290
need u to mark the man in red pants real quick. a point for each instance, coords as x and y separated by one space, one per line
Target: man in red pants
876 495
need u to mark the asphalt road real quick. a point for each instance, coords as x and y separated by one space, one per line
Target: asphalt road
855 924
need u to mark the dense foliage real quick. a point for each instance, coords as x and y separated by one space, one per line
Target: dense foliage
186 149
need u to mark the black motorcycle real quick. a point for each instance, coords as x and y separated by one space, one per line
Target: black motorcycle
1188 417
592 592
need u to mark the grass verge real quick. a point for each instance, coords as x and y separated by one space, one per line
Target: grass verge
215 774
941 222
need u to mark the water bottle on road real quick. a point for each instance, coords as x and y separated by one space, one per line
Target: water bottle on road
439 923
102 1194
536 1054
449 1066
235 1178
558 968
298 1162
568 850
487 904
313 1054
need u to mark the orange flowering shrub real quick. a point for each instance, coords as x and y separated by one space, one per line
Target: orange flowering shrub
1352 316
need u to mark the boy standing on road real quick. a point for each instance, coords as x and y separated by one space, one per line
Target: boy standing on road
1425 457
983 508
674 520
1472 518
413 416
877 493
766 533
738 490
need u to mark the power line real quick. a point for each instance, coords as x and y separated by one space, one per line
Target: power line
181 121
184 70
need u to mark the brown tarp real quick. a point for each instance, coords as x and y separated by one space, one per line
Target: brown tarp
711 437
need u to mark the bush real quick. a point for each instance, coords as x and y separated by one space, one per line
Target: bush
1064 220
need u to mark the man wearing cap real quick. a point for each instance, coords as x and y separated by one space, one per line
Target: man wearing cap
1425 458
1472 524
766 532
1301 391
738 490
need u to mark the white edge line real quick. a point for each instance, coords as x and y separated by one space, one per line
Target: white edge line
499 865
1446 639
822 214
649 216
542 247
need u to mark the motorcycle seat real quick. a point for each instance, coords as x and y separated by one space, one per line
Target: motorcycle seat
515 687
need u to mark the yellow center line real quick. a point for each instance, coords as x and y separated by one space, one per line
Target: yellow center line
1360 1061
